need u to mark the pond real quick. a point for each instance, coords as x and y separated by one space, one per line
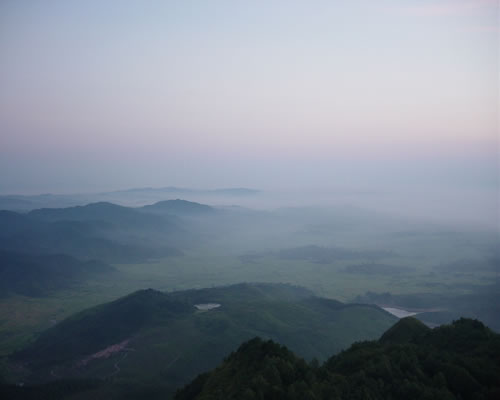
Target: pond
207 306
399 312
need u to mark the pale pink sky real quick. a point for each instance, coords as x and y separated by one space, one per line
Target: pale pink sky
115 94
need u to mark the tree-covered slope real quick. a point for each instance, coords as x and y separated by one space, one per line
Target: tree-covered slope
113 214
458 361
405 331
179 207
102 231
99 327
38 274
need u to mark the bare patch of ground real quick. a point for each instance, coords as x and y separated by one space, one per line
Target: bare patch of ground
105 353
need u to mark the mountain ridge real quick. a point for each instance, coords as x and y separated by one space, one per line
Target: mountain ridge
179 207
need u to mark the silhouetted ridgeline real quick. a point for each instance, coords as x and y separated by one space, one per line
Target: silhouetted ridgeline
178 207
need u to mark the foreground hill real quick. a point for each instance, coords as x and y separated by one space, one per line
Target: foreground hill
37 274
159 341
410 361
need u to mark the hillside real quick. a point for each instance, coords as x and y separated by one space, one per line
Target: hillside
38 274
162 340
458 361
109 213
405 331
102 326
102 231
179 207
13 223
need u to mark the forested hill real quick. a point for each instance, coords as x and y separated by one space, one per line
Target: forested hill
38 274
179 207
410 361
159 341
97 231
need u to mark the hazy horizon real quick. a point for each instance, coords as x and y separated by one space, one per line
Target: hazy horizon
284 96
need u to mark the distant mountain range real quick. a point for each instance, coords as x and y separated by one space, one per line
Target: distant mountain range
129 197
173 189
108 213
103 230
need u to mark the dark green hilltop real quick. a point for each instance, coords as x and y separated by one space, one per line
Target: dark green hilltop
410 361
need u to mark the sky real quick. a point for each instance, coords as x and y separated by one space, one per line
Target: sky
302 95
